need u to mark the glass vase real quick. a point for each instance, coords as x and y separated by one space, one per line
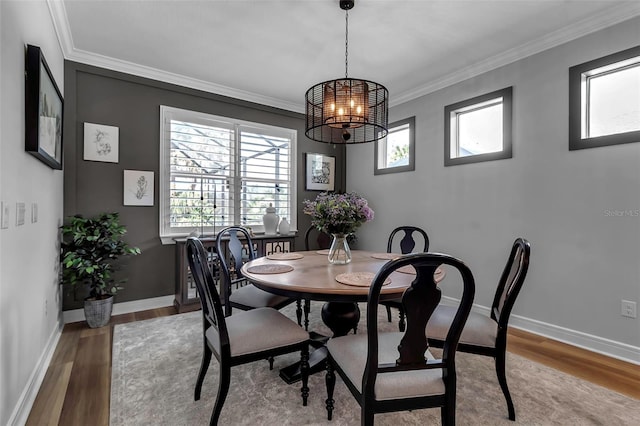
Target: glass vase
339 252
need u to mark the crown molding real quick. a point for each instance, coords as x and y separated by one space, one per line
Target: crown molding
611 16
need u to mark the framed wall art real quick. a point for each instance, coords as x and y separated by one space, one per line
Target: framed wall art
43 110
138 188
320 172
100 143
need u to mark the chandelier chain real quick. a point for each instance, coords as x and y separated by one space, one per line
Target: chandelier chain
346 44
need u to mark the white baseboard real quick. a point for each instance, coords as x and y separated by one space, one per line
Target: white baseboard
28 396
611 348
77 315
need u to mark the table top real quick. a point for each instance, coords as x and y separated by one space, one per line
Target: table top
313 277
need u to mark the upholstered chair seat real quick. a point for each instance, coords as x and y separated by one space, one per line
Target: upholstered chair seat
250 296
351 353
480 330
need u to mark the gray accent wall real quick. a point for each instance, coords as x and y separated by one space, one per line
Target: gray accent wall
132 104
585 257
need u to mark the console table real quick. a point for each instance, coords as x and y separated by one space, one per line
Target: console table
186 296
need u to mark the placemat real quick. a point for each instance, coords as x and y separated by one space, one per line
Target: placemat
284 256
326 252
358 279
386 256
276 268
411 270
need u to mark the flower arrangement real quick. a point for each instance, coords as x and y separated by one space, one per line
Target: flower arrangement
338 213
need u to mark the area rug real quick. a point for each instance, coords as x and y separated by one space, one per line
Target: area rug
155 364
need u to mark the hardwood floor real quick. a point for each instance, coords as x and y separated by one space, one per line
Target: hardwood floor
76 387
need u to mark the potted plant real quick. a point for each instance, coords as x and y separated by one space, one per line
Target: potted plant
91 248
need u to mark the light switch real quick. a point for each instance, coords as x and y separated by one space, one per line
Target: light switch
34 212
4 215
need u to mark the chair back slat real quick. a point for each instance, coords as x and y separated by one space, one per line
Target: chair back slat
409 239
316 240
203 272
234 246
511 281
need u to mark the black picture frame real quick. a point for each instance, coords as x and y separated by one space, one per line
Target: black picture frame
44 108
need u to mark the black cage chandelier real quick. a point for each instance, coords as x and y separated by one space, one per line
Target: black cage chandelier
347 110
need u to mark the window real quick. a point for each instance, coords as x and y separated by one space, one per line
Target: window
478 129
604 101
396 152
217 171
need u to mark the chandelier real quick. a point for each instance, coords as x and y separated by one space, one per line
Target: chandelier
347 110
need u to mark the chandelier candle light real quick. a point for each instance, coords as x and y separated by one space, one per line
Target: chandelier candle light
347 110
338 215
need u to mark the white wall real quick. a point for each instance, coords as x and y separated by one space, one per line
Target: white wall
583 261
29 296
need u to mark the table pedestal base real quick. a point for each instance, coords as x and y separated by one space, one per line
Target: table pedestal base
341 318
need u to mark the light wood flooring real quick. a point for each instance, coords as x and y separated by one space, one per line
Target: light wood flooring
76 387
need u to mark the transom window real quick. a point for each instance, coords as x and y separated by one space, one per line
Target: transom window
604 97
396 152
218 171
478 129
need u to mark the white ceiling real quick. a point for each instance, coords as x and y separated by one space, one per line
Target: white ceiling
272 51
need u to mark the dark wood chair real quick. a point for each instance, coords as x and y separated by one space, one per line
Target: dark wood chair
243 337
406 242
313 240
487 335
395 371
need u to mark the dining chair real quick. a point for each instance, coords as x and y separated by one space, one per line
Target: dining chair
242 337
235 247
314 239
405 243
487 334
395 371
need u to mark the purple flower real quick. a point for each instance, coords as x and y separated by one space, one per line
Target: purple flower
338 213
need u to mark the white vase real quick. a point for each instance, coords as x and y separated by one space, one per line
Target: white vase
270 221
284 227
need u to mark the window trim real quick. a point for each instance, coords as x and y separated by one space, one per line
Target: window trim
576 141
411 166
167 236
507 106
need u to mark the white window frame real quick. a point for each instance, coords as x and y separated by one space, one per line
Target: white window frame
169 234
380 151
579 79
451 131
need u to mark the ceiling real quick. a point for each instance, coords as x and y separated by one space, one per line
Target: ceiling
272 51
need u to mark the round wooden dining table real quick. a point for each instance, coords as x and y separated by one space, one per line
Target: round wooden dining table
309 275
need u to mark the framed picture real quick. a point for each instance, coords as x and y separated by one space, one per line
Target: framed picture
138 188
321 172
100 143
43 110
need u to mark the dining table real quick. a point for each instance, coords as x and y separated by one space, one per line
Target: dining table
309 275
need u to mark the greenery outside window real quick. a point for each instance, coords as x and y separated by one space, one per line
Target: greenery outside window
396 152
604 101
217 171
478 129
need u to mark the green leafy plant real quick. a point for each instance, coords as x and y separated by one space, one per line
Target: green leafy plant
90 250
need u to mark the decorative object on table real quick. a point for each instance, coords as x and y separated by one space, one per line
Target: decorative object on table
320 172
347 110
138 188
270 220
359 279
91 248
338 215
43 110
100 143
284 228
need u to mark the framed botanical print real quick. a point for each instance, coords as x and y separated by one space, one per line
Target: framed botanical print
320 172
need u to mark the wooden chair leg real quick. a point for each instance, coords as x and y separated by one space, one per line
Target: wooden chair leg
304 374
307 310
388 313
330 380
270 359
204 366
366 416
401 323
299 311
502 379
223 389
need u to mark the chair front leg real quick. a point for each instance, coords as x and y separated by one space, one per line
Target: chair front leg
304 374
299 312
223 389
330 380
307 309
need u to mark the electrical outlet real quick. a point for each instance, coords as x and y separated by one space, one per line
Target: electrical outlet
629 309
